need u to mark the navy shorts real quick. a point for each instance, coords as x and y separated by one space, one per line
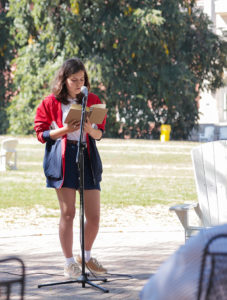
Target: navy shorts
71 179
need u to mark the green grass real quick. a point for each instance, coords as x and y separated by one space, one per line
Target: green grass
136 172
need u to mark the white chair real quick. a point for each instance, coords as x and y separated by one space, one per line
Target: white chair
8 154
210 169
208 134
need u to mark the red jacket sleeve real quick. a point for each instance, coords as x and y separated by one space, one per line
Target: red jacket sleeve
42 119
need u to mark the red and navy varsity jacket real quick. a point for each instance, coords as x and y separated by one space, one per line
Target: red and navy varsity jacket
49 110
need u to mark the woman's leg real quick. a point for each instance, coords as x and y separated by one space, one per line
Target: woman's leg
92 214
67 198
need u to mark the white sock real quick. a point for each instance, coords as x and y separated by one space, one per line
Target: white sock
87 255
69 260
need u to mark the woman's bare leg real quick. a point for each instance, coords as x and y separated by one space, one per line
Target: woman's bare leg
67 199
92 214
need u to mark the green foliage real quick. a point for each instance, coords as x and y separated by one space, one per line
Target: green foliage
145 59
41 30
6 54
153 52
32 79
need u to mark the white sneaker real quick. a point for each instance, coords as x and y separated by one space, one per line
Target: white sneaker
72 271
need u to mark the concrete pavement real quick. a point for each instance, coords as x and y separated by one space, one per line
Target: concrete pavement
134 252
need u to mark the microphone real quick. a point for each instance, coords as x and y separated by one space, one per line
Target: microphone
84 91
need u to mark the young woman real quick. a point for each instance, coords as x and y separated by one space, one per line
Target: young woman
60 165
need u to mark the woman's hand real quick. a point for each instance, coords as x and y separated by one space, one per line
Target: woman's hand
88 127
72 126
94 133
69 127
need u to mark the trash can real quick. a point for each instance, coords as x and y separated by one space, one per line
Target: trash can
165 133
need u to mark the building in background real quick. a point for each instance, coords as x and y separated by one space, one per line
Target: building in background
213 106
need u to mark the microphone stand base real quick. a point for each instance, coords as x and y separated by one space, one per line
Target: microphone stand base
83 279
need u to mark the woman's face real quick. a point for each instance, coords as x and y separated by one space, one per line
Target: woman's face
74 83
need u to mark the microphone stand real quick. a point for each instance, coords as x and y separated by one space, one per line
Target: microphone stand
83 278
80 161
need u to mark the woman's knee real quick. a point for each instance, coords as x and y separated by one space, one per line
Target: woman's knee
69 215
93 220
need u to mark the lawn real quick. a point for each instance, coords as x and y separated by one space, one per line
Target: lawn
136 172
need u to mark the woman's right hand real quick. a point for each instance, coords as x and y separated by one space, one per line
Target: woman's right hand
69 127
72 126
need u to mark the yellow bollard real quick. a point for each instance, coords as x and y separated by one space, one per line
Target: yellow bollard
165 133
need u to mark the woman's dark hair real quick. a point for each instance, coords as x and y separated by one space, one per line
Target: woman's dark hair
69 67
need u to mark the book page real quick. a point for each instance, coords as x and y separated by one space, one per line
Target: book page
100 105
97 115
76 106
73 115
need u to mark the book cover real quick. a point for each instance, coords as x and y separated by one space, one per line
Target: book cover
96 113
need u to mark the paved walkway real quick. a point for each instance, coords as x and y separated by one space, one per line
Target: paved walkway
137 253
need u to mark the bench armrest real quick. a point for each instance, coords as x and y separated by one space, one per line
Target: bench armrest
184 207
182 211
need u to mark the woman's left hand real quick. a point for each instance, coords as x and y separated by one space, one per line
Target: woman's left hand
94 133
88 127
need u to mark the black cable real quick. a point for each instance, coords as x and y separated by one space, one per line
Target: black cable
117 279
120 275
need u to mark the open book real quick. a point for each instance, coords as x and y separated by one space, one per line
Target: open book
95 112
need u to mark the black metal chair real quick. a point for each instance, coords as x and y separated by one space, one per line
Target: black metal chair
213 272
7 284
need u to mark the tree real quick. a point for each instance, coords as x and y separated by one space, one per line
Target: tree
153 55
6 55
145 58
43 30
